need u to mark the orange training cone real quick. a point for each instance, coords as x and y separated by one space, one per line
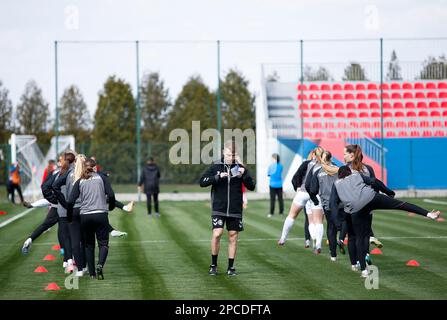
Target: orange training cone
376 251
413 263
49 257
52 287
2 212
345 242
40 269
56 247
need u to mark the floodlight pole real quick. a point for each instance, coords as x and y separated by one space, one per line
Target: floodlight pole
302 92
138 124
56 102
219 112
382 153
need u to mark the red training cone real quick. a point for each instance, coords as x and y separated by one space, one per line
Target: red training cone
52 287
49 257
40 269
413 263
2 212
345 242
56 247
376 251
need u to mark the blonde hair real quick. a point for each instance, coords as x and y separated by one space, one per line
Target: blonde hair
79 167
316 153
327 164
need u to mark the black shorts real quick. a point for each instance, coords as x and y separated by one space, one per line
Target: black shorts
233 224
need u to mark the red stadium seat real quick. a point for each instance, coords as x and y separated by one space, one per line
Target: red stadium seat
329 125
372 96
352 115
314 96
387 115
442 85
350 106
360 96
433 104
305 115
308 135
444 104
390 134
409 105
437 124
337 96
325 96
317 125
427 133
304 106
372 86
402 134
365 125
302 97
439 133
398 105
386 105
396 95
419 86
444 113
401 124
315 106
374 105
399 114
377 134
342 135
424 124
328 115
407 86
432 95
325 87
302 87
435 114
340 115
412 124
376 124
442 95
313 87
327 106
339 106
423 114
408 95
337 86
422 105
430 85
415 134
306 125
385 86
341 125
395 86
363 115
360 86
375 115
362 106
420 95
385 95
354 134
411 114
331 135
318 135
348 86
349 96
316 115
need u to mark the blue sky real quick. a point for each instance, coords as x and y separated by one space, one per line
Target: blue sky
29 28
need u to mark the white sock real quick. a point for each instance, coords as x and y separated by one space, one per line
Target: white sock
312 231
319 231
288 223
40 203
126 208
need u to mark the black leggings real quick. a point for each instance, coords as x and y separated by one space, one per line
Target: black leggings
77 241
274 192
96 224
19 190
381 201
149 203
306 225
50 220
64 235
331 232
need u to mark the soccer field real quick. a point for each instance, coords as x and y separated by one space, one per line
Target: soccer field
168 258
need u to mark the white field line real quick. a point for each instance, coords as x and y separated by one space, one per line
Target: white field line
18 216
435 201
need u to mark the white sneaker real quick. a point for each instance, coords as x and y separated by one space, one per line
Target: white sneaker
307 244
269 215
355 267
434 215
157 215
129 206
117 233
79 273
365 273
333 259
26 245
376 242
65 264
85 269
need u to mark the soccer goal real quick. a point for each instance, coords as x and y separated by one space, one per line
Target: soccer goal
26 152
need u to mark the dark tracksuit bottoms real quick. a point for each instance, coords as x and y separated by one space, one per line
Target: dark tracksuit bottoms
276 192
19 191
91 225
149 202
306 225
50 220
77 239
64 234
343 232
331 232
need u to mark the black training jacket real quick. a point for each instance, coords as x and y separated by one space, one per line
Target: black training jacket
226 193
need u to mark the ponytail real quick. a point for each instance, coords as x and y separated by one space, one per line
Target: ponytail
79 167
357 164
327 164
